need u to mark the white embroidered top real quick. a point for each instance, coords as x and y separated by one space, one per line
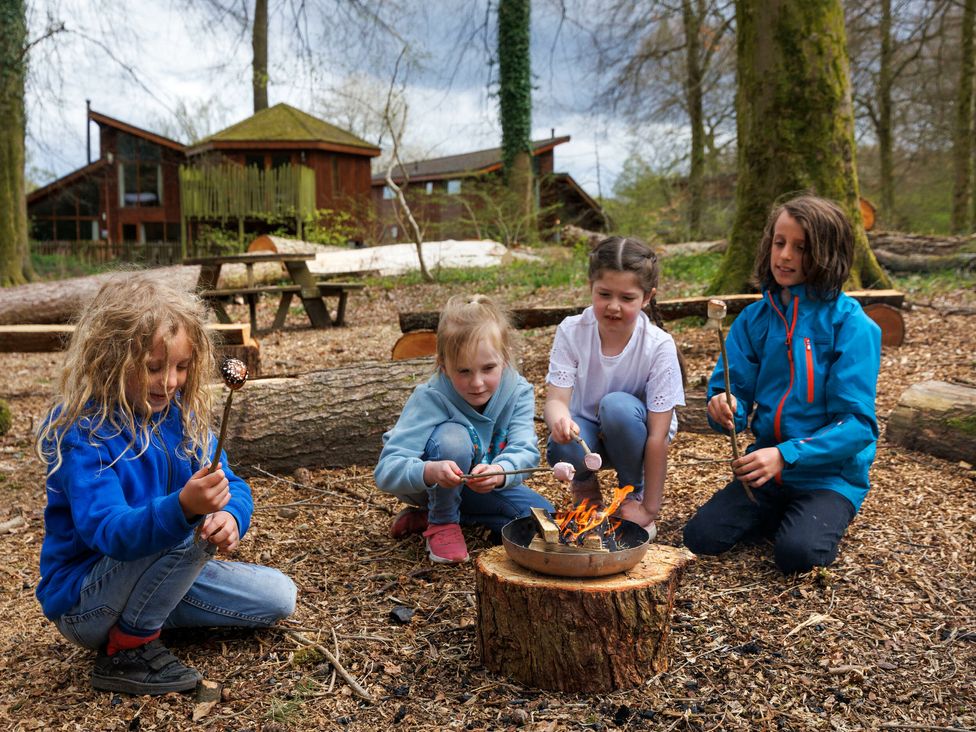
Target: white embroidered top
647 367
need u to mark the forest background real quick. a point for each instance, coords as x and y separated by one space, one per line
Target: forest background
646 89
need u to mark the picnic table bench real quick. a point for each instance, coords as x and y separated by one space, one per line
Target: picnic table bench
310 290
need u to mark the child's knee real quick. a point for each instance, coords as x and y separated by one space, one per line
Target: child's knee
281 595
700 537
451 441
618 406
794 555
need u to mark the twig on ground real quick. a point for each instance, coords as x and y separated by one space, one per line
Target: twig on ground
346 676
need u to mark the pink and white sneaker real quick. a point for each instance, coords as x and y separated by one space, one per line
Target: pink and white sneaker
409 521
445 544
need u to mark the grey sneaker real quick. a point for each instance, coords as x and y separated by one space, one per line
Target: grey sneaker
148 669
587 488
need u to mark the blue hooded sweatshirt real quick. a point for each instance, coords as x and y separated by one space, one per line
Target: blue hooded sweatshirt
504 434
807 373
126 508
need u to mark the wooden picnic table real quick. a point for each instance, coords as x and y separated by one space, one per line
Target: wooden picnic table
311 291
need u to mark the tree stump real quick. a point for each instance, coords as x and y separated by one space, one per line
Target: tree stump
577 635
936 417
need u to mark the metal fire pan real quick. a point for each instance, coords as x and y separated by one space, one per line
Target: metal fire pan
517 534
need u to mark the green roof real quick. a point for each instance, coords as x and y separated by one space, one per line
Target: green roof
284 123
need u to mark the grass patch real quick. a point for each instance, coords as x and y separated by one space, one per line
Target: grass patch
51 267
687 275
934 283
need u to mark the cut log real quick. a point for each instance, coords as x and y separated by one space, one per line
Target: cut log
322 419
415 344
669 309
60 301
924 262
44 337
890 321
938 418
901 243
577 635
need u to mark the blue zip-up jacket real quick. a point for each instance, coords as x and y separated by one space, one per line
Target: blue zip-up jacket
127 511
808 374
503 435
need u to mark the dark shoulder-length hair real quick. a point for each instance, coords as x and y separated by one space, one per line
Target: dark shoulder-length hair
829 245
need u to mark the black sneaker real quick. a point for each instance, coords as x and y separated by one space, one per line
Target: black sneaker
148 669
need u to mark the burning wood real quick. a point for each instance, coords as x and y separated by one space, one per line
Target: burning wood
584 529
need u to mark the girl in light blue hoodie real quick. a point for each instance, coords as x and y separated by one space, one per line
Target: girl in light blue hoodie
471 421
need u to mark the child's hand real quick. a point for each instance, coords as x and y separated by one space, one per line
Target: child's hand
756 468
444 473
718 410
563 430
636 512
488 484
221 529
205 492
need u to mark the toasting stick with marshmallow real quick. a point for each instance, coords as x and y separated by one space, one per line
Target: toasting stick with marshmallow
234 374
717 311
560 471
591 460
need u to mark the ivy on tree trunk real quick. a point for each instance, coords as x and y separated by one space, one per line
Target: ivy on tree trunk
14 253
515 99
795 127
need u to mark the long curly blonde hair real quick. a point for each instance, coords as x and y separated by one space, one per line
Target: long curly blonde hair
113 339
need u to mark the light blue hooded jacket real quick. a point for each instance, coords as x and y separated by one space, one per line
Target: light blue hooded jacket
807 373
503 435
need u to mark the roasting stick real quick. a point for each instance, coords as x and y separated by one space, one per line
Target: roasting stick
716 314
560 471
592 460
234 374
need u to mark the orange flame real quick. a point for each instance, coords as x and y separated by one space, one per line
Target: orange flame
587 516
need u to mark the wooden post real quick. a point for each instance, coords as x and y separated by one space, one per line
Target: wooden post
577 635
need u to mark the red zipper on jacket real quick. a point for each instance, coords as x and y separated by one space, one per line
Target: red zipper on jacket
789 355
809 350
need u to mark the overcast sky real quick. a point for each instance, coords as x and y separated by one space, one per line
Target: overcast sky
143 62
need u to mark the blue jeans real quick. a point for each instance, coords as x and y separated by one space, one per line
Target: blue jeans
619 435
451 441
180 587
806 526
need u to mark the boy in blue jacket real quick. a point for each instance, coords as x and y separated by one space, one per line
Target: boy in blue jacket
803 363
473 417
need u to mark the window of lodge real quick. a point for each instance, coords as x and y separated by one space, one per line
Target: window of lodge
140 172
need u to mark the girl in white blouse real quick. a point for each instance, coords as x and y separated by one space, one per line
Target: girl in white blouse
614 380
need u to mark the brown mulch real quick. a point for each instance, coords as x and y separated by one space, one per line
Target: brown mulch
885 638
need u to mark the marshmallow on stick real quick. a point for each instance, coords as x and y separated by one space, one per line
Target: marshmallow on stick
560 471
717 311
591 460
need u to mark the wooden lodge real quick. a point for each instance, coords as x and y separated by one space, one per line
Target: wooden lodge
277 167
444 193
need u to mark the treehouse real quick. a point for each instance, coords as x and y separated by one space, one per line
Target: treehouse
276 169
458 196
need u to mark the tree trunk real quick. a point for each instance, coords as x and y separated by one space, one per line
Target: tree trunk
59 302
962 143
334 418
577 635
937 418
259 45
885 142
515 102
693 17
795 127
15 267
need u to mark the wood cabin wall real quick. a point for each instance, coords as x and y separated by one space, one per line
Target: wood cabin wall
118 217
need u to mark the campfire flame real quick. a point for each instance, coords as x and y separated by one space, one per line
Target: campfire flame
588 516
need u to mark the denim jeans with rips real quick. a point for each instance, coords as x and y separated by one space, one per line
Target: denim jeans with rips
451 441
180 587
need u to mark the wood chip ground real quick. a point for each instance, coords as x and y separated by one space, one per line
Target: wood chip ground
886 638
